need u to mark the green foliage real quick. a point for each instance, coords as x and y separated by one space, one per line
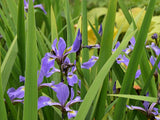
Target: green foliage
27 35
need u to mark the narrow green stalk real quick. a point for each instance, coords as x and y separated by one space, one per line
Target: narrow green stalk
54 33
3 113
85 52
105 53
133 64
31 90
125 11
21 35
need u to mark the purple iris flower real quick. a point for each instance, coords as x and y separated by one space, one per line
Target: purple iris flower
152 60
47 68
61 53
26 4
154 36
130 47
62 92
150 110
122 59
154 47
72 78
89 63
14 94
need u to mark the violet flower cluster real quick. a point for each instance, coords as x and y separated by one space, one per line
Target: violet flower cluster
149 110
63 90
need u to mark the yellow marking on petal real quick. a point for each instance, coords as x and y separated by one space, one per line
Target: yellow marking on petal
50 59
69 49
22 89
128 50
70 76
72 112
53 86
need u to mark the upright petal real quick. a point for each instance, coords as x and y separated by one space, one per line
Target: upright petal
61 46
62 93
25 4
135 108
146 105
77 42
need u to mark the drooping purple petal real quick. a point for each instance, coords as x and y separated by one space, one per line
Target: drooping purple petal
72 79
135 108
74 101
71 113
122 59
155 111
61 46
157 117
100 30
41 7
45 101
51 85
19 93
128 50
52 71
21 78
62 93
17 101
138 73
10 93
90 63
